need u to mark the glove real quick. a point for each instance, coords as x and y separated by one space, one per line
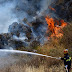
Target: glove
59 58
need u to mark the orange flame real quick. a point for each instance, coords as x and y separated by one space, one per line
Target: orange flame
52 8
54 28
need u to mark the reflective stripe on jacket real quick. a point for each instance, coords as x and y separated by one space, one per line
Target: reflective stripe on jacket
67 60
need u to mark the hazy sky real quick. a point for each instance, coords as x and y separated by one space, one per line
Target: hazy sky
6 16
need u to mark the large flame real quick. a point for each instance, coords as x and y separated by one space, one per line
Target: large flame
54 27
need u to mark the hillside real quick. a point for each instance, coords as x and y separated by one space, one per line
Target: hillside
37 27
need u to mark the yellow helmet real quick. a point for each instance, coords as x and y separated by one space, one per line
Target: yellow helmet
65 51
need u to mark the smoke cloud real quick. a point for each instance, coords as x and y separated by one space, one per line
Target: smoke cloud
22 22
16 10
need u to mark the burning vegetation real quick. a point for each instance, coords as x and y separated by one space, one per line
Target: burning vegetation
55 27
30 29
52 8
29 33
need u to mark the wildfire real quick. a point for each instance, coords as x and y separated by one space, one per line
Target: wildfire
54 27
52 8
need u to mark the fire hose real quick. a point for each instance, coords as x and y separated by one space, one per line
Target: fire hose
25 52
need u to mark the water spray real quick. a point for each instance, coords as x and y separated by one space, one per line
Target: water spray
25 52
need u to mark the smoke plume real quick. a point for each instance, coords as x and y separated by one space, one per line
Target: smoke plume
22 22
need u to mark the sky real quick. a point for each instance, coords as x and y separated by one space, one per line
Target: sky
6 16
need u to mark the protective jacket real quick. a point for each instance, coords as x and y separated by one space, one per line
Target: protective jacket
67 60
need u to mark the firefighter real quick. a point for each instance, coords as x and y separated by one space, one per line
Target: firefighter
67 60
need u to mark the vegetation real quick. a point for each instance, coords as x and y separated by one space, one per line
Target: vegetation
66 40
26 68
42 64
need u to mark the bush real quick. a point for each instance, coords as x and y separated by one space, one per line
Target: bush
66 40
67 37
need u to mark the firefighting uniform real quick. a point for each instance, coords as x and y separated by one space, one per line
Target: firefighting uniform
67 61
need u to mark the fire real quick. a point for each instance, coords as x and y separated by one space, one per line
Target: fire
52 8
54 27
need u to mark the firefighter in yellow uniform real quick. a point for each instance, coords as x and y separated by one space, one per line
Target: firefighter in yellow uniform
67 60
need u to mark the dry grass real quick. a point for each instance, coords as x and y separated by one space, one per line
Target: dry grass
26 68
53 49
66 40
50 65
35 64
67 37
